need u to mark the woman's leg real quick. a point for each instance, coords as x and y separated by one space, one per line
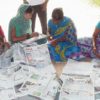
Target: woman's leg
59 66
34 18
43 19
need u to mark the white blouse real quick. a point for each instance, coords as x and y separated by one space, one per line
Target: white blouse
36 2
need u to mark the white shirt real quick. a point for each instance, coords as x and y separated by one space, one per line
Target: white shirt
35 2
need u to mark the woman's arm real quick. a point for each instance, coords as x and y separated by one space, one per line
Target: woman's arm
54 41
50 38
15 38
34 34
95 35
2 36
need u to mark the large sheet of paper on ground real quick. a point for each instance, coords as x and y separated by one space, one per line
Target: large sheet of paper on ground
96 77
77 82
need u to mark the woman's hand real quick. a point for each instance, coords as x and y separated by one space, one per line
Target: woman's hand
7 45
62 39
94 49
50 38
53 43
28 36
95 52
35 34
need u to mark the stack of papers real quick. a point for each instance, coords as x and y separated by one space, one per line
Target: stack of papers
28 70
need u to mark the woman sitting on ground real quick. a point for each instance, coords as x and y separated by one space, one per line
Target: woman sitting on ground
90 47
20 27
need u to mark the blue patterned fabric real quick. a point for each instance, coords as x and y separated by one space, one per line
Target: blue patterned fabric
67 48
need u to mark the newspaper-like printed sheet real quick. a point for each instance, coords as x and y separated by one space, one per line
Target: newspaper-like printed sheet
13 78
77 87
38 56
41 86
77 81
96 77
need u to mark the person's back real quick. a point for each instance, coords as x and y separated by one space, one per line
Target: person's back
20 25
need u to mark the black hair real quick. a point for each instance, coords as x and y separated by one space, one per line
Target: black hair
57 14
29 10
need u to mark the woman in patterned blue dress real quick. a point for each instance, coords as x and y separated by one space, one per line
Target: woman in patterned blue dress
62 40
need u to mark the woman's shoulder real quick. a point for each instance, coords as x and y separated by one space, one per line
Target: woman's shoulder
50 22
12 21
98 25
67 19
